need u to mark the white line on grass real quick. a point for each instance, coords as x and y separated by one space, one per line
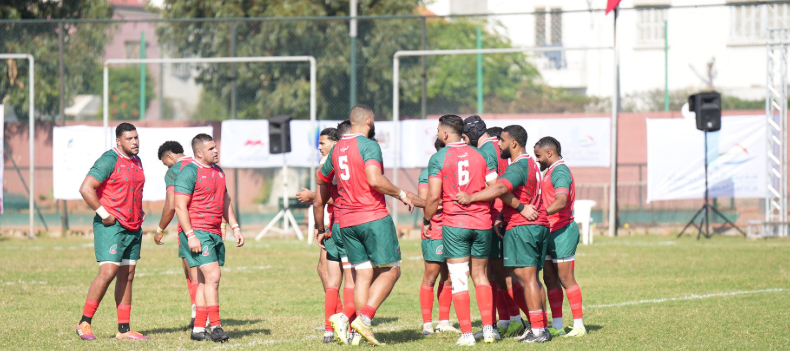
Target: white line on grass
475 318
689 297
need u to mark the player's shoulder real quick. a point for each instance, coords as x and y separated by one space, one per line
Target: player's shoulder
218 168
439 155
561 168
423 175
110 154
365 141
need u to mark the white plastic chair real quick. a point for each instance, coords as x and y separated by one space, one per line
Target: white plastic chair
581 214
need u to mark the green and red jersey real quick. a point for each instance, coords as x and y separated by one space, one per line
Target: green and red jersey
358 202
490 147
559 180
172 173
120 191
436 221
523 179
461 168
206 187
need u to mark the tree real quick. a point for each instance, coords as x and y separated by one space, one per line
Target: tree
265 90
83 48
124 92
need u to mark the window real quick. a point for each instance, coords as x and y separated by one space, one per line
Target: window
548 32
132 49
750 23
651 24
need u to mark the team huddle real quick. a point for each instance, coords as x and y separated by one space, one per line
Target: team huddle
196 194
491 212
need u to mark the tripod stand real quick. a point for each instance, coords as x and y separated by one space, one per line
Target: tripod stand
703 212
285 213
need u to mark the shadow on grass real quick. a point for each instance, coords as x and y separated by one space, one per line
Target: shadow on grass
399 336
231 321
177 329
383 320
225 323
593 328
244 333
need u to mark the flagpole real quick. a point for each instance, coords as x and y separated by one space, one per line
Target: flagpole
615 111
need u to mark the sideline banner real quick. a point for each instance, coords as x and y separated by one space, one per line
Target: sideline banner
585 141
676 159
76 148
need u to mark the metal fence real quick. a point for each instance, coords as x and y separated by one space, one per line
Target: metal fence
665 54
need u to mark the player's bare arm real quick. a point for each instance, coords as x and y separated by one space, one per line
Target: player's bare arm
321 198
182 202
492 191
168 212
380 183
234 224
560 200
305 195
88 192
432 202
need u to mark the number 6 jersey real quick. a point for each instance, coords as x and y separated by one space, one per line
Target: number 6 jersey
461 168
358 202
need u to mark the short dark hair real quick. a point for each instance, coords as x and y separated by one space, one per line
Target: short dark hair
518 133
170 146
124 127
550 142
360 113
330 133
343 128
200 139
455 123
494 132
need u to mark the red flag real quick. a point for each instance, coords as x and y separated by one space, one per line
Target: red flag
611 4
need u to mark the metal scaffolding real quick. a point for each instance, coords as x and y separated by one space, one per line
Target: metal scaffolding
776 116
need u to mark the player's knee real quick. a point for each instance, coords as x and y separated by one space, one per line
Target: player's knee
458 276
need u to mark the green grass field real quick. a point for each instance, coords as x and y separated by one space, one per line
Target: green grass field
639 293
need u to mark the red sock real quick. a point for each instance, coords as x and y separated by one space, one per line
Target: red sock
536 319
330 304
213 315
193 285
370 312
124 313
445 300
501 306
575 299
545 318
426 303
494 301
339 305
555 301
349 309
90 308
519 297
201 315
461 301
511 303
483 295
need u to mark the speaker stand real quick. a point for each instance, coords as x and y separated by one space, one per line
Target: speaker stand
703 213
284 214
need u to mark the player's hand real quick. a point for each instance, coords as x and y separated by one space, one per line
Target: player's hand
239 237
143 216
223 232
407 201
529 212
194 244
158 238
319 239
110 220
426 229
463 198
499 225
305 195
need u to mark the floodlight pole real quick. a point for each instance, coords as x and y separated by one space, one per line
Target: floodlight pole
105 109
396 96
32 128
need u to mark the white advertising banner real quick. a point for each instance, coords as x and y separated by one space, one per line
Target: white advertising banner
76 148
2 154
585 141
676 159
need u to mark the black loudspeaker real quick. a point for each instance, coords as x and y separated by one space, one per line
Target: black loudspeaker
707 106
280 134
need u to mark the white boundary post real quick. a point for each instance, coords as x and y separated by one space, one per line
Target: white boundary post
396 94
32 133
309 59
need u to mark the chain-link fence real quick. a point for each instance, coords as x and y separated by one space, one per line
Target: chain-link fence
664 56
